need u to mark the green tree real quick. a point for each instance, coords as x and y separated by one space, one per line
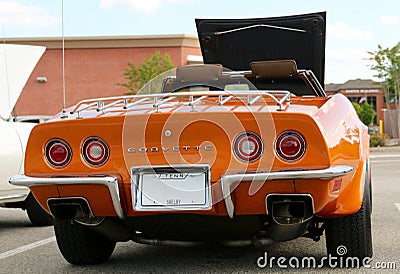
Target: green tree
386 62
366 112
150 68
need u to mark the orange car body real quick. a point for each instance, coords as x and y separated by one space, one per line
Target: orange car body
333 139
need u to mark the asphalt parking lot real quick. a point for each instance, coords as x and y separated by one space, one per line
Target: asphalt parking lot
25 248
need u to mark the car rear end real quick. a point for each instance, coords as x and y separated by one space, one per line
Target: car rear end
189 167
249 161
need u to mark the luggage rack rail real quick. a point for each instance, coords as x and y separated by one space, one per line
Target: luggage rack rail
281 98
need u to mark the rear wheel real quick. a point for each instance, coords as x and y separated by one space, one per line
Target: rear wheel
81 245
350 236
37 215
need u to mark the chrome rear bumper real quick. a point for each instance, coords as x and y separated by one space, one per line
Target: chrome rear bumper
227 182
230 180
110 182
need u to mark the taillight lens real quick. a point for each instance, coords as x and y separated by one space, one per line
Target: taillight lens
248 146
290 146
95 151
58 153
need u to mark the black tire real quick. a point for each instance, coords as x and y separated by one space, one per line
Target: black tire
37 215
352 232
81 245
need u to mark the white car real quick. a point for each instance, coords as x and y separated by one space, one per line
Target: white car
16 65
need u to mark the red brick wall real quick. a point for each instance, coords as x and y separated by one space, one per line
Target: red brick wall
89 73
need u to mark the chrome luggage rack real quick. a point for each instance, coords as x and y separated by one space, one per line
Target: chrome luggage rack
281 98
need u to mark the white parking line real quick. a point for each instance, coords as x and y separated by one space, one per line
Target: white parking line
27 247
397 205
384 156
385 161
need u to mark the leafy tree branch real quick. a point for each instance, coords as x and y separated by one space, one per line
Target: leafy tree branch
150 68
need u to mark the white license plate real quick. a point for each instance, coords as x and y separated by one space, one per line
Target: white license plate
166 189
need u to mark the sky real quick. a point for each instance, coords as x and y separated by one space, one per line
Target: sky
354 27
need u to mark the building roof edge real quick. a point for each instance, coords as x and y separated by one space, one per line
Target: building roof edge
170 40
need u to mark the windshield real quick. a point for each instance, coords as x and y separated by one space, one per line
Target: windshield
197 78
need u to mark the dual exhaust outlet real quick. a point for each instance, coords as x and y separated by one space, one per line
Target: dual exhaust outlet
289 216
285 209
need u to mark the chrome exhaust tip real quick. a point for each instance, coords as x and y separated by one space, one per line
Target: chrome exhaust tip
289 209
70 208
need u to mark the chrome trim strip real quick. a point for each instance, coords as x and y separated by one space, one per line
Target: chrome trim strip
110 182
228 180
13 198
257 26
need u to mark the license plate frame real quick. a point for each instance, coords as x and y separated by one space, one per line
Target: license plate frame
171 188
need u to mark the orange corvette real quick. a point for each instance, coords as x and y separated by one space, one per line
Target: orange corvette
253 154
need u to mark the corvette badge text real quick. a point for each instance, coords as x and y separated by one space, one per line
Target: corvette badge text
165 149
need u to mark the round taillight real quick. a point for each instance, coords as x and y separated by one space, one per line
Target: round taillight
290 146
95 151
248 146
58 153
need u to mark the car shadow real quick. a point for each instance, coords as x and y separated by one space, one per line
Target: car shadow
13 218
209 258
